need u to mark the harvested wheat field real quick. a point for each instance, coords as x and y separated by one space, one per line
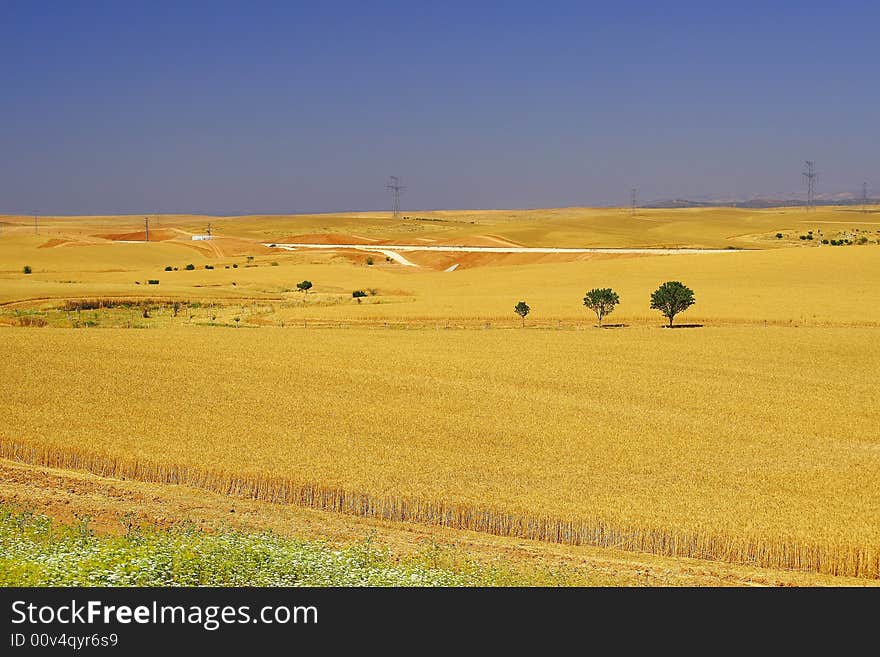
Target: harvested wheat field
732 444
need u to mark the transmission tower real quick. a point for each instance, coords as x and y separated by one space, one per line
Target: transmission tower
36 225
209 231
810 176
865 198
395 188
634 200
146 229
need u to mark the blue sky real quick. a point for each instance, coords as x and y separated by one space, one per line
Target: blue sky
229 107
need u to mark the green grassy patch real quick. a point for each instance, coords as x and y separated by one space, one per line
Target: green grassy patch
37 551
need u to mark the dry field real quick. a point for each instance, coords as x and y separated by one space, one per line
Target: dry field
750 440
778 281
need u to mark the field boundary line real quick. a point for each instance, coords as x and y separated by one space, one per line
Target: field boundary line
783 553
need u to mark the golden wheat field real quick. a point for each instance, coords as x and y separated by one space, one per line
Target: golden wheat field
729 443
751 438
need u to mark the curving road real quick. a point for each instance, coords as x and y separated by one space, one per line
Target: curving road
393 250
442 248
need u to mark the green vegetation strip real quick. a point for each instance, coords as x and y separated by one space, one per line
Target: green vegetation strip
37 551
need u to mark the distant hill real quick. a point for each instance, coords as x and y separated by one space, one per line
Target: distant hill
682 203
843 198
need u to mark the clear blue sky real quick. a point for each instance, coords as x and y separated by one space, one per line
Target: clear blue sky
233 107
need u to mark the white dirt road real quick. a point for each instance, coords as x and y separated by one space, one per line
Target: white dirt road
394 251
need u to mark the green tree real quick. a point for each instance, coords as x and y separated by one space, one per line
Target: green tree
304 286
672 298
601 301
522 309
27 269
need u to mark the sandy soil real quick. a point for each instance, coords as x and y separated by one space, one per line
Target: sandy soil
157 235
329 238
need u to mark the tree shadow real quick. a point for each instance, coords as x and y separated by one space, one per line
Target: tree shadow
684 326
613 326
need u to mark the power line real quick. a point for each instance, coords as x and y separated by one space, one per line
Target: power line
810 176
393 185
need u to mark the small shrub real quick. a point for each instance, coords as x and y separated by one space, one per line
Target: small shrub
369 260
522 309
30 320
190 267
27 269
153 281
235 266
779 236
824 241
274 264
209 266
357 294
169 268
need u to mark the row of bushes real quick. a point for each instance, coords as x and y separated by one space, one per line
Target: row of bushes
191 267
305 286
102 303
840 242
